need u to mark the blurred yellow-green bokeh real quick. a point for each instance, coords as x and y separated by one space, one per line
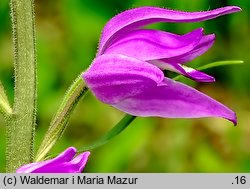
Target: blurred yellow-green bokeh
67 34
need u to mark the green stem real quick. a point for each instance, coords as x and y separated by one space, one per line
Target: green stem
58 125
21 125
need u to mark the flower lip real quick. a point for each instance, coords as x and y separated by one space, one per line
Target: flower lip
184 70
142 16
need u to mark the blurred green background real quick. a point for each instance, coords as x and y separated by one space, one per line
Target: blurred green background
67 36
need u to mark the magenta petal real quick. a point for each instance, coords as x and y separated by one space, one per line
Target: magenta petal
154 44
138 17
115 77
174 63
172 99
205 43
184 70
65 156
63 163
80 161
28 168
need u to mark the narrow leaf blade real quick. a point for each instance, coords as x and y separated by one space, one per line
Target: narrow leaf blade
117 129
220 63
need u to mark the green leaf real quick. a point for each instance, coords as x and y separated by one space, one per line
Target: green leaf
5 108
117 129
214 64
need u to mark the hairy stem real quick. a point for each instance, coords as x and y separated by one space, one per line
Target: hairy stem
21 125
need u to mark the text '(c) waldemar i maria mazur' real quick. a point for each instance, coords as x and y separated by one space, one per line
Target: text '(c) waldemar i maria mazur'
78 180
